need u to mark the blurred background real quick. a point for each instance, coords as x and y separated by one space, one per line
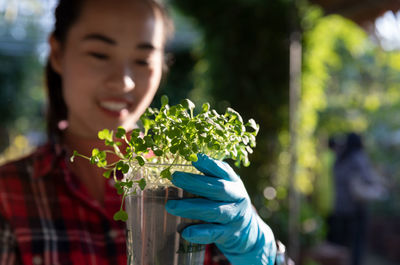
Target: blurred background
306 71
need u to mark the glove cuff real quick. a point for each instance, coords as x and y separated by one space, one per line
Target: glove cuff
263 252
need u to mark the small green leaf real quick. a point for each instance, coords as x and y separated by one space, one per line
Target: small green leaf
193 158
239 129
249 149
149 112
105 135
95 152
158 152
234 152
147 123
157 138
120 132
125 168
135 133
102 155
220 133
252 140
184 151
119 188
246 161
140 160
164 100
142 184
107 174
119 165
216 146
188 104
141 148
195 148
129 184
148 141
205 107
166 173
121 215
234 115
245 139
173 149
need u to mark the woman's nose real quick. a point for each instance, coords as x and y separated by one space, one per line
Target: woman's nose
122 79
128 82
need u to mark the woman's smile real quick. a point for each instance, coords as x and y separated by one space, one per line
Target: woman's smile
115 107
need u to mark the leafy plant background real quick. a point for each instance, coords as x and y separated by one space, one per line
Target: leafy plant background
237 54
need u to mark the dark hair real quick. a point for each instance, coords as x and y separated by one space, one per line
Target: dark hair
353 143
67 13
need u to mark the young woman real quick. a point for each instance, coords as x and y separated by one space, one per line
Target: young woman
104 68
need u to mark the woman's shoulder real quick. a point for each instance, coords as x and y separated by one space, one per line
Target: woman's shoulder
16 179
26 166
361 158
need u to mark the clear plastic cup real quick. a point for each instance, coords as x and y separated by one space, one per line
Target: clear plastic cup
152 233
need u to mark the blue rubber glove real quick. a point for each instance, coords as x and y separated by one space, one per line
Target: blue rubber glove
233 225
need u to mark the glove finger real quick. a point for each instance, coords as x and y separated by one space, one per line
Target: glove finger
234 238
214 168
209 187
205 233
205 210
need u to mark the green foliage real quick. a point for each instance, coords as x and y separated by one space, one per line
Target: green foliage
348 84
173 135
21 93
362 95
243 62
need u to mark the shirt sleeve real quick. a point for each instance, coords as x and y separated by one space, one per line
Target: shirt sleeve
8 246
213 256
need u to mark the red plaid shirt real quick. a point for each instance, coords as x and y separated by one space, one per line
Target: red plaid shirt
47 216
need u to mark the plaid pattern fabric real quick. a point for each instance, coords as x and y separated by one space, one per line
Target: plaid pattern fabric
47 217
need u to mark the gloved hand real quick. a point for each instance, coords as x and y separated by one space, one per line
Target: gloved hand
233 225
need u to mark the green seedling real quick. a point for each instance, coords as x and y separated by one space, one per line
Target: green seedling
172 135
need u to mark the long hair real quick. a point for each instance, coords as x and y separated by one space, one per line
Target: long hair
67 13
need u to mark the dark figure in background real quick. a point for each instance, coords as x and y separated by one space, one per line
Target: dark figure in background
348 224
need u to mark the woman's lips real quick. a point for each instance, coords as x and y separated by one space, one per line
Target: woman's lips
115 108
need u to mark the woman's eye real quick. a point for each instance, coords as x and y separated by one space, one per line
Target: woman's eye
142 62
97 55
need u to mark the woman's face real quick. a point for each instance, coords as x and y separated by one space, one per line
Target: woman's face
110 64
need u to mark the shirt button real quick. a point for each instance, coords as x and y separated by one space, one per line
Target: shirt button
37 260
113 234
